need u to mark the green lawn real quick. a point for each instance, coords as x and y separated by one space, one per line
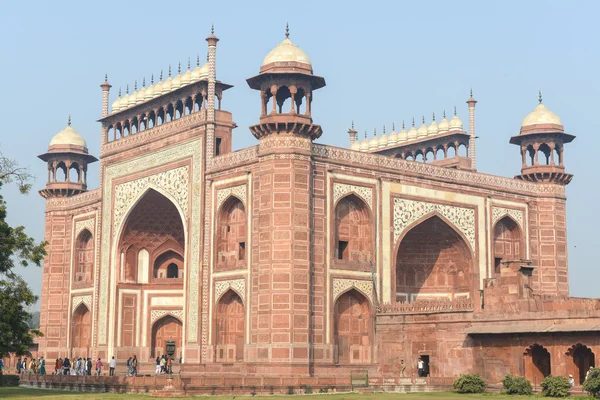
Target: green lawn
26 393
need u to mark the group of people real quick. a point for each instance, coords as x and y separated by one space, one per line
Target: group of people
164 365
32 366
80 366
572 380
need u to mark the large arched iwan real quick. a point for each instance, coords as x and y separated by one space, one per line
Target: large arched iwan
81 331
353 231
166 328
231 235
229 328
433 262
352 328
508 244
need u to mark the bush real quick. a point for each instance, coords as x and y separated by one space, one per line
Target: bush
555 386
516 385
592 383
469 383
9 380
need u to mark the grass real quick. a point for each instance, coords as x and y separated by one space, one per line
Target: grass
19 393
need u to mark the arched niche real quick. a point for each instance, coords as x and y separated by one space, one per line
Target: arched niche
84 258
580 359
352 328
155 225
231 235
168 265
537 363
433 261
164 329
353 239
508 244
229 328
81 331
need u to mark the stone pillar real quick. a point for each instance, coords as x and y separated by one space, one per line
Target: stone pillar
472 155
105 90
281 275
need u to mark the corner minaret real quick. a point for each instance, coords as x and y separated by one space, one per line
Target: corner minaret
67 153
542 138
286 73
105 91
472 154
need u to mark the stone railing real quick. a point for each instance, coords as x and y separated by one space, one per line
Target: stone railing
77 200
428 306
235 158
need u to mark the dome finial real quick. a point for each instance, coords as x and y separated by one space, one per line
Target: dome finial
198 60
179 68
444 113
384 129
413 121
135 85
365 133
69 121
471 93
127 89
189 65
144 82
105 77
287 30
352 124
402 124
119 91
212 29
393 126
540 97
423 120
160 79
169 70
454 110
434 116
375 132
152 79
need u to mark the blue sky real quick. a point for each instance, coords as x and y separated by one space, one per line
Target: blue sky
383 62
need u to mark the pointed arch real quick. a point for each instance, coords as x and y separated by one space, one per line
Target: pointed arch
354 233
580 358
229 327
81 330
353 328
537 363
231 235
84 258
433 260
166 328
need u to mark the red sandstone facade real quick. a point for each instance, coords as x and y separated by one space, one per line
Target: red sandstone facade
292 258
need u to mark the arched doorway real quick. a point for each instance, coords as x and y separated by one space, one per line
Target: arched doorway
166 328
352 328
582 358
81 331
230 328
433 261
537 363
231 235
353 232
84 258
169 265
507 243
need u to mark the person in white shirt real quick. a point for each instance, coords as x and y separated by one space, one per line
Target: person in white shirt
421 367
112 365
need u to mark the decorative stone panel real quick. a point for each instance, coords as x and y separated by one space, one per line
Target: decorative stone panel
174 182
85 299
408 211
500 212
237 191
155 315
341 189
88 224
341 285
239 285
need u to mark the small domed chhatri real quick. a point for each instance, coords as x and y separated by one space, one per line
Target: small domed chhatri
68 137
541 116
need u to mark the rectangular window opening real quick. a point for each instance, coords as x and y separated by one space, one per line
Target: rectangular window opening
342 250
218 146
497 264
242 251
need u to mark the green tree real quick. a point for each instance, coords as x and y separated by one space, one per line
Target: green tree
16 248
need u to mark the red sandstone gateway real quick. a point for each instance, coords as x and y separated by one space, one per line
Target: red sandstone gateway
294 261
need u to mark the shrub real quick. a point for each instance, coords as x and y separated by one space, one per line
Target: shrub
555 386
9 380
516 385
592 383
470 383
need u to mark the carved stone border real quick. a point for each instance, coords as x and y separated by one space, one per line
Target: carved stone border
237 191
408 211
239 285
88 224
85 299
499 212
155 315
342 189
148 161
340 285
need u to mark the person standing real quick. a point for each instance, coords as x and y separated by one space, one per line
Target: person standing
18 366
134 365
99 367
163 364
42 366
571 381
112 365
587 374
421 367
89 366
402 368
157 369
169 365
